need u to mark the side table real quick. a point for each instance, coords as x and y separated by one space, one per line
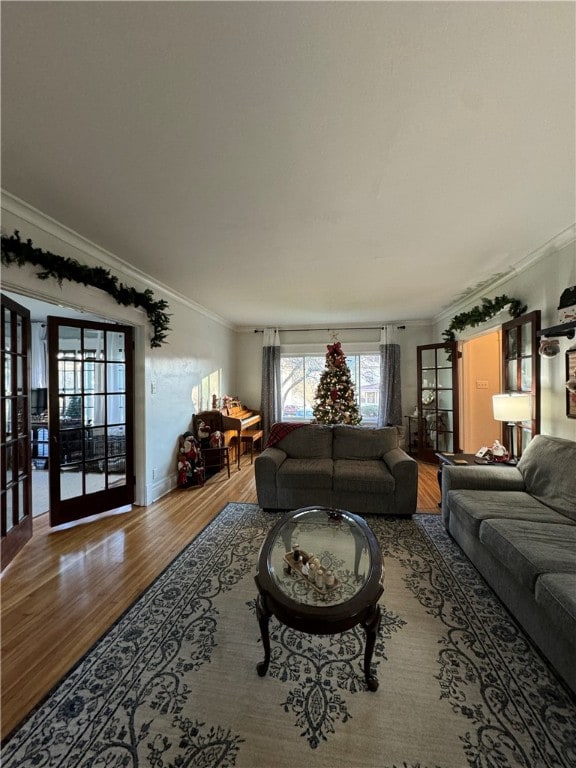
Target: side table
463 459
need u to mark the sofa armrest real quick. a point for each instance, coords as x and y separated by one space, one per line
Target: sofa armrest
491 478
266 466
404 470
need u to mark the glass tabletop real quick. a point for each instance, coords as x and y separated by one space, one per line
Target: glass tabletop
320 557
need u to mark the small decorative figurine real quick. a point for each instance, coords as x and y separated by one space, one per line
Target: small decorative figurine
329 578
305 569
296 555
216 439
203 430
499 451
189 461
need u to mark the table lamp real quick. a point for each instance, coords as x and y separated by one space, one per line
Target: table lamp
512 408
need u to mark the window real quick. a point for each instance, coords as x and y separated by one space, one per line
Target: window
365 370
300 375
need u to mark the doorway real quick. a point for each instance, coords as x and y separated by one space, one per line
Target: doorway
108 443
481 377
504 359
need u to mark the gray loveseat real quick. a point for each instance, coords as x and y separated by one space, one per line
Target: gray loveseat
518 526
354 468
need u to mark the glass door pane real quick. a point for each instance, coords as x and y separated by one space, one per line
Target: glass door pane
91 418
437 400
15 453
521 373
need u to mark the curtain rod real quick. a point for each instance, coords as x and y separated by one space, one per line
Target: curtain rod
334 330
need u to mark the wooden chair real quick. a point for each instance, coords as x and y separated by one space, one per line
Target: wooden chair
214 420
216 458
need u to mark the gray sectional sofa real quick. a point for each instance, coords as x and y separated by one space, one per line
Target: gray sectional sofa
361 470
518 526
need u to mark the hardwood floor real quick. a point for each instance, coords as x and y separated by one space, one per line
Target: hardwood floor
428 488
69 584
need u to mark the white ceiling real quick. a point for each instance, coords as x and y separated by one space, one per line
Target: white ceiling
295 163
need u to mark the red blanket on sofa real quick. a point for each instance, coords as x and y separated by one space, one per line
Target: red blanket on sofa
280 430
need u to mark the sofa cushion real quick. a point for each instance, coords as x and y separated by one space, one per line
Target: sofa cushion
530 549
556 593
470 508
362 443
362 476
548 466
305 473
312 441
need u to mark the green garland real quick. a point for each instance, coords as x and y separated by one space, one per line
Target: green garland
480 313
15 251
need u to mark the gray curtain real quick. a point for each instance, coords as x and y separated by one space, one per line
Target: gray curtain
270 396
390 411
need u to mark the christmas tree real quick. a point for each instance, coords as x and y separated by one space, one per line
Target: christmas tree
335 401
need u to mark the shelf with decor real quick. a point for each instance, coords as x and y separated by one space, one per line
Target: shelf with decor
565 329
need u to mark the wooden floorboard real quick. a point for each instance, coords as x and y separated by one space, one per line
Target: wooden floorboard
69 584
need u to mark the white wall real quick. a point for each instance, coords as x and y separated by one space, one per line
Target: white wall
249 355
199 351
165 378
540 286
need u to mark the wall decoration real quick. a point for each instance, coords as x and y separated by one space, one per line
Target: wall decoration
567 306
16 251
480 313
571 383
549 347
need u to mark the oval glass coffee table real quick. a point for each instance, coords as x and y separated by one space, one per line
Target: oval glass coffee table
320 571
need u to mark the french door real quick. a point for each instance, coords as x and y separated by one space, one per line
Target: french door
521 372
16 496
438 424
91 425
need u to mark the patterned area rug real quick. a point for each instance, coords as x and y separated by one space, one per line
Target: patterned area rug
174 682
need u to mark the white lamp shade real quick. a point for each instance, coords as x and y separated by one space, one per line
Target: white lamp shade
512 407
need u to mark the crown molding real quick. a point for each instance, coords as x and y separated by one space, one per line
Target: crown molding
555 244
29 214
